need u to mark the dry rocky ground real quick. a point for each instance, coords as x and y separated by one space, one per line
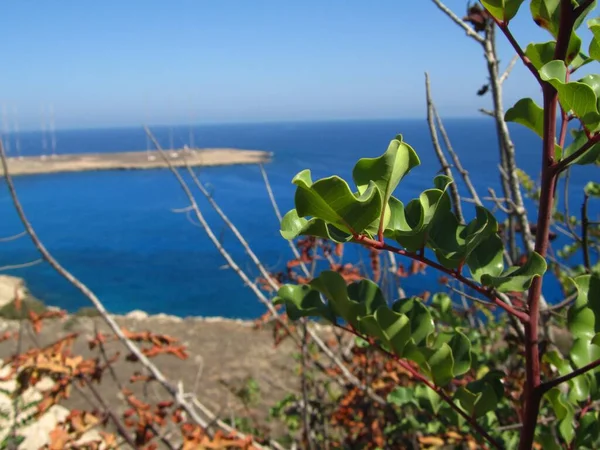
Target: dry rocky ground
224 355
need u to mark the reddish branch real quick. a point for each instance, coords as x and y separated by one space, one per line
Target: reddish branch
545 387
521 315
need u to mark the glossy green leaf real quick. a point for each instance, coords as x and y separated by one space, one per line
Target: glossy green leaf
588 431
583 318
302 301
453 242
592 189
402 396
542 53
503 10
527 113
594 49
461 353
387 170
428 399
409 225
517 279
443 302
483 395
546 14
293 226
366 296
332 200
421 322
487 258
582 353
564 413
441 364
577 96
390 327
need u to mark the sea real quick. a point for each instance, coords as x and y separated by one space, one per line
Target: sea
120 232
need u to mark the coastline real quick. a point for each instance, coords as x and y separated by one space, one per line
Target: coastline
136 160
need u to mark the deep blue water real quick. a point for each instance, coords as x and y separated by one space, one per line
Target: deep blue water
116 230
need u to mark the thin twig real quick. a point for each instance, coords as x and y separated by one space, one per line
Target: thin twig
21 266
468 29
508 69
545 387
439 152
14 237
259 294
455 159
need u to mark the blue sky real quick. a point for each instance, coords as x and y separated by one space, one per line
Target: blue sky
193 61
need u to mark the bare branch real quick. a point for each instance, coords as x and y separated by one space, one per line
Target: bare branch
486 112
508 69
458 21
15 237
21 266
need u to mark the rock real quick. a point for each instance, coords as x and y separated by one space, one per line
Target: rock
137 315
9 287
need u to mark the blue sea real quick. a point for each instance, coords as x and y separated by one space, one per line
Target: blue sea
117 232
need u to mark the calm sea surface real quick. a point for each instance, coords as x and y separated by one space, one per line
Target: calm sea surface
118 233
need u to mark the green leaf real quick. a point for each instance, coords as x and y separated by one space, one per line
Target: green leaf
564 412
366 296
453 242
594 50
428 399
421 322
526 112
293 226
546 14
441 363
577 96
332 200
517 279
402 396
483 395
583 318
487 258
592 189
461 353
443 302
502 9
409 226
542 53
387 170
302 301
390 327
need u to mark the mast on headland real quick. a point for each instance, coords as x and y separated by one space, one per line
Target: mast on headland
44 141
16 132
151 157
52 131
5 130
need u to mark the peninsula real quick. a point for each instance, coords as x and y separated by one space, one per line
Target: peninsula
136 160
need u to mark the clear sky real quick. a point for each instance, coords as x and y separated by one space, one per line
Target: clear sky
128 62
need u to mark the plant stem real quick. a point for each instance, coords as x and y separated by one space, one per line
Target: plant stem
533 394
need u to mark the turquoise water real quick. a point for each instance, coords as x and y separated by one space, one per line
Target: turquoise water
116 230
